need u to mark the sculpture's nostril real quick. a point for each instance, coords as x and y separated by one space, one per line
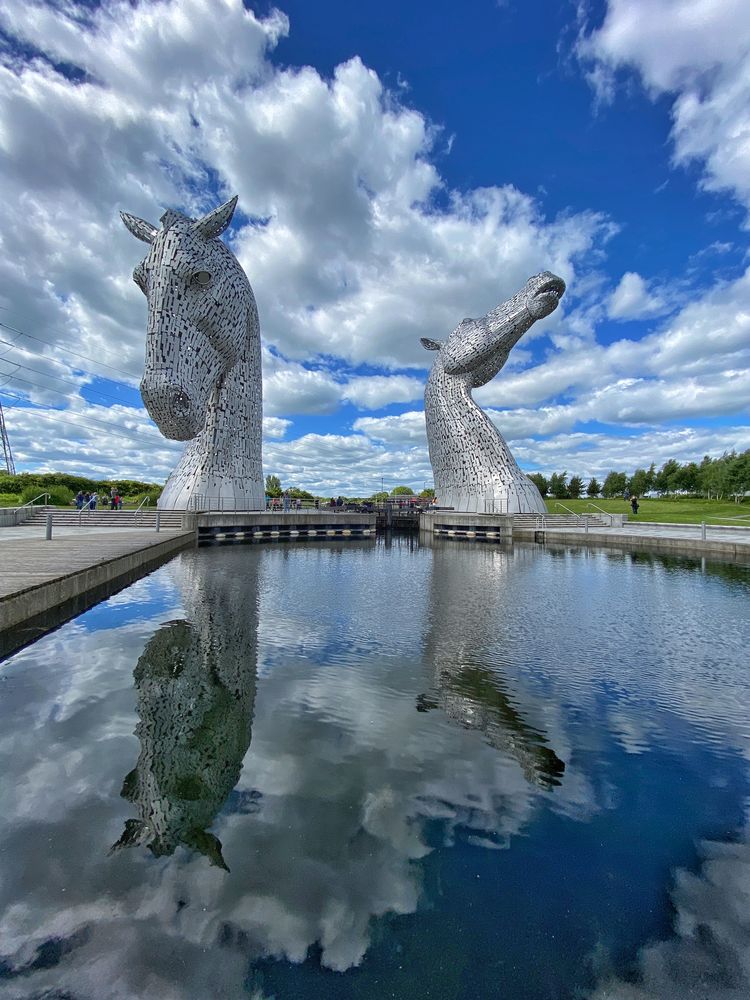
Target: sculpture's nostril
179 399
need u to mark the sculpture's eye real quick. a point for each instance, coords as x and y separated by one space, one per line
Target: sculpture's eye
201 278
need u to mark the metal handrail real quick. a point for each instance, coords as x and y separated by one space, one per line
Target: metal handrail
30 502
558 504
144 503
597 507
86 507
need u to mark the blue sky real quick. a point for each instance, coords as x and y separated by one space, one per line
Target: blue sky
399 166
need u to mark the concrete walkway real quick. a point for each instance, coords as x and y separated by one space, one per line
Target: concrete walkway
725 541
37 575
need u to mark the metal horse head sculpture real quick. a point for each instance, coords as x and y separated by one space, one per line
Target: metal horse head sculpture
202 377
471 463
195 693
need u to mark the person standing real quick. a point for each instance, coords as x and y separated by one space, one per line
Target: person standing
634 504
287 501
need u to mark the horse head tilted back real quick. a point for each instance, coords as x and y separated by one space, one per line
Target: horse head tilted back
199 306
478 348
471 464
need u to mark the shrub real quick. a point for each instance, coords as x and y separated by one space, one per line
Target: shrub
61 496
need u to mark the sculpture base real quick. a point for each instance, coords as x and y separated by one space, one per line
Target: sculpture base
523 500
213 496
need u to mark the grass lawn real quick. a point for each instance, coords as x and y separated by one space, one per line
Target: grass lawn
680 511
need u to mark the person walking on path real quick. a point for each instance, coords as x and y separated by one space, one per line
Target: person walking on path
79 500
287 501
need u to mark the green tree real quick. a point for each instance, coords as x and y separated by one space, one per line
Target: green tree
714 477
428 493
558 485
739 475
273 486
593 489
379 497
615 484
540 482
575 487
664 481
650 478
687 477
402 491
638 483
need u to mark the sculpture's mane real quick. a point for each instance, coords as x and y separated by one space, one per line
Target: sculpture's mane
172 218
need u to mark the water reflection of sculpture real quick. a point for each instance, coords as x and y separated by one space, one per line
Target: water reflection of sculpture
469 692
202 378
471 462
195 684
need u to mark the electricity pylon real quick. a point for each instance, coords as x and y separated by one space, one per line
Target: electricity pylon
7 453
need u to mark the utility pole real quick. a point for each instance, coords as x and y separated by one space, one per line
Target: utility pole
7 453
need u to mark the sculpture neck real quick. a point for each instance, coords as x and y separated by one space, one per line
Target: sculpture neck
471 463
454 418
224 461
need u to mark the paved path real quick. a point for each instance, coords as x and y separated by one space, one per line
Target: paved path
648 529
37 575
727 542
33 532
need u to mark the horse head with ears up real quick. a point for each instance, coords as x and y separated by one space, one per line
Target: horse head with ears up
202 378
196 305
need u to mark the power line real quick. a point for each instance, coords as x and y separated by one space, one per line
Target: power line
59 378
68 366
44 411
65 350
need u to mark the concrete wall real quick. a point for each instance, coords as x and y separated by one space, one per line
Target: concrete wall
36 600
10 516
470 527
265 526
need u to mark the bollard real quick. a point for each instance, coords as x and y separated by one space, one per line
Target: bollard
49 527
703 530
158 521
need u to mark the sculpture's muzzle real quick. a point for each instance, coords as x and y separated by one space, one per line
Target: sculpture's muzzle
170 406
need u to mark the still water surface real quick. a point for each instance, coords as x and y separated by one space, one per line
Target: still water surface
371 771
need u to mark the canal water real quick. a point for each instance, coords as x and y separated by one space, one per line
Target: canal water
376 770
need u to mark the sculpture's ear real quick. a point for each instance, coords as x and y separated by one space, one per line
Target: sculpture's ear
141 229
217 221
208 845
132 834
430 345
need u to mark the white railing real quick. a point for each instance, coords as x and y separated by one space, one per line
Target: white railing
205 503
